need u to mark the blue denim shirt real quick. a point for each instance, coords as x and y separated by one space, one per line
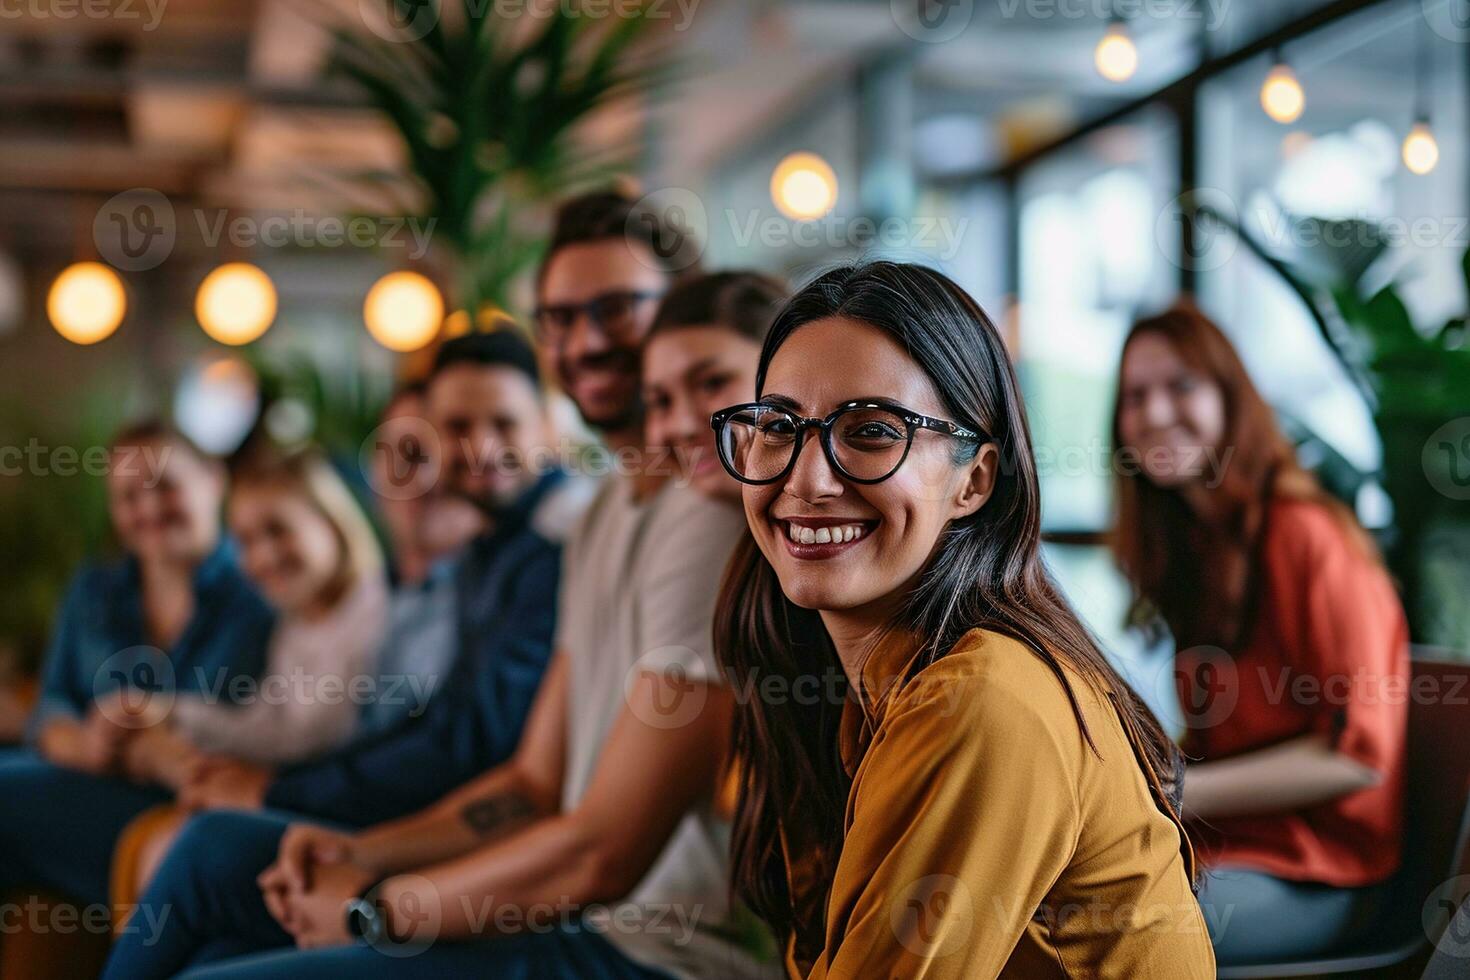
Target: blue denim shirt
99 643
419 649
505 594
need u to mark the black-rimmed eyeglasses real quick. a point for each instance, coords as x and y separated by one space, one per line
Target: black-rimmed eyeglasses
865 441
615 313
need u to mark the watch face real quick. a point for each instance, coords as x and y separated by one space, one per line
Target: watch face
365 921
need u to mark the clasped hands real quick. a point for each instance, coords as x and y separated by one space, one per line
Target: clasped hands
317 872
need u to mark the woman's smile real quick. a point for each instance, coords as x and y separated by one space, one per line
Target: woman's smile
818 538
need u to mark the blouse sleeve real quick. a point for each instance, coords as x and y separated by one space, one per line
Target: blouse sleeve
304 704
964 815
1344 629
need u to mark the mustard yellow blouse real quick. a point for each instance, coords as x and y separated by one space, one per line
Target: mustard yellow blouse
985 838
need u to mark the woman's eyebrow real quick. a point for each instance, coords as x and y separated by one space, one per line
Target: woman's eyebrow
781 401
701 366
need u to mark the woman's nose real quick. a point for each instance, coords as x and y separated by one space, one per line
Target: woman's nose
685 421
1158 409
812 477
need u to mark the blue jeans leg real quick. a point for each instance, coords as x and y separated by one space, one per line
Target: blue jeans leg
58 827
563 954
1257 918
203 903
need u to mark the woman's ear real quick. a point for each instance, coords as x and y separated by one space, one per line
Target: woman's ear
977 482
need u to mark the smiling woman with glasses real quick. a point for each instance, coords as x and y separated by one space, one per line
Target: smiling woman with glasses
973 773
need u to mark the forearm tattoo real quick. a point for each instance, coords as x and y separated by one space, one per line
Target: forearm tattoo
496 812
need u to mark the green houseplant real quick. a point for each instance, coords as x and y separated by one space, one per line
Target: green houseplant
489 107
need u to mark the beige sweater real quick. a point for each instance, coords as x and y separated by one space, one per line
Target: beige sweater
309 698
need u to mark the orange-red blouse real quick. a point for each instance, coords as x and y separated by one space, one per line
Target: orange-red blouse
1328 654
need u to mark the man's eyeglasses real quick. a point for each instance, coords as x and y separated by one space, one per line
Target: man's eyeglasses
864 441
614 313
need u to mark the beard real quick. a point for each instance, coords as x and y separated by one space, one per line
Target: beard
615 415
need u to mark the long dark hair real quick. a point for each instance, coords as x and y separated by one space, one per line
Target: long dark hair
1203 578
986 573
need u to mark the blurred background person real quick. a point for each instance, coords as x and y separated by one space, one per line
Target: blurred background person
427 527
1295 799
700 356
173 615
423 523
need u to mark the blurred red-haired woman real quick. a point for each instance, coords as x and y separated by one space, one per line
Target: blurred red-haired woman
1291 644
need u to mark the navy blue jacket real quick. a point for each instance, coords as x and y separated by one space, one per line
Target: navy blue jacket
506 605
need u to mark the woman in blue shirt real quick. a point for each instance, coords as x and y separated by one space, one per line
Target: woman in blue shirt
174 614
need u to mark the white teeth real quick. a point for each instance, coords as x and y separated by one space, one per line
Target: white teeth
841 534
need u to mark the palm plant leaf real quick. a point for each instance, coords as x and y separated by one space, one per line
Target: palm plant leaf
489 107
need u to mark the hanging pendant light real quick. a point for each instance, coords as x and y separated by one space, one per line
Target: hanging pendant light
1421 149
1116 56
1281 94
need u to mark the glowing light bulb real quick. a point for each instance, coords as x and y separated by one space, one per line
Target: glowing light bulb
86 302
236 303
403 311
1421 151
1281 94
804 187
1116 55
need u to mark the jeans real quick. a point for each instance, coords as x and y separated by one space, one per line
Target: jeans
203 903
212 923
1257 918
58 826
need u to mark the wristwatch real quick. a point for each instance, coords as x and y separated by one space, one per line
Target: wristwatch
366 919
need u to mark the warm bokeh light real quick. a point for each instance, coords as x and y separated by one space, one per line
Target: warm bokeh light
403 311
457 324
1116 56
86 302
1282 96
804 187
236 303
1421 150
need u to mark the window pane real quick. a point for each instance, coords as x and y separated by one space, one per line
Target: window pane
1093 254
